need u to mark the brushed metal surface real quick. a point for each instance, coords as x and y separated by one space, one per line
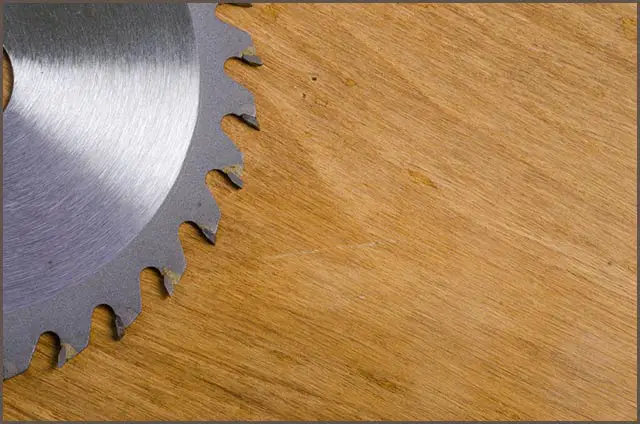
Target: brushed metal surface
104 104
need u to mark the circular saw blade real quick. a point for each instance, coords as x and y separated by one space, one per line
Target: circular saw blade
112 126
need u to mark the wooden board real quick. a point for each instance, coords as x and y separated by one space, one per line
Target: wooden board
439 222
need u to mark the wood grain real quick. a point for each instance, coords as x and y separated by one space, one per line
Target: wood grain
7 79
439 222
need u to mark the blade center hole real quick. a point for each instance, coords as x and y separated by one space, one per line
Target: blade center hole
7 79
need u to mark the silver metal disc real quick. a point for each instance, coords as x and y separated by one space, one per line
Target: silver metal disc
111 128
101 118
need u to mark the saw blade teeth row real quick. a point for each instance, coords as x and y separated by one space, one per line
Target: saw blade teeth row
205 212
219 153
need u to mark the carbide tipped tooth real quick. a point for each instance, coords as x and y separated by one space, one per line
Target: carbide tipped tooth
169 286
73 340
209 233
234 173
124 318
205 213
171 279
250 57
235 179
67 353
171 265
252 121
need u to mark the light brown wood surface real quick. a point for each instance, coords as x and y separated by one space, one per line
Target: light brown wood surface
438 222
7 79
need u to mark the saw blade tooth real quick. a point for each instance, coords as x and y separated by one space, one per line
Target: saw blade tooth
240 46
73 343
17 355
67 352
73 339
250 57
221 154
173 265
209 232
126 314
234 173
169 279
225 155
241 103
252 121
205 214
235 177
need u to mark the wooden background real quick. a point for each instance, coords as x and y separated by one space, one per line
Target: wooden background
438 222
